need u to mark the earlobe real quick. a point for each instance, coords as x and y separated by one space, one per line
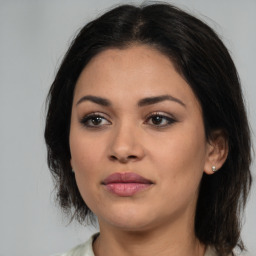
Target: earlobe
217 152
214 168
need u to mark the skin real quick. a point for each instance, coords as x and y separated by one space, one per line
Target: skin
172 153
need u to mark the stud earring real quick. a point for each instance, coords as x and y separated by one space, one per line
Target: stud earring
214 168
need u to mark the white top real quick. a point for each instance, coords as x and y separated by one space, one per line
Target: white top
85 249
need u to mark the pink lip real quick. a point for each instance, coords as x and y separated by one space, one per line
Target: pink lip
126 184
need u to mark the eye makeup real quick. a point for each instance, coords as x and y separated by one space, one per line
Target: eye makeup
97 120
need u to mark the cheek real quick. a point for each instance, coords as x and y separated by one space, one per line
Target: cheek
85 153
181 157
86 156
181 149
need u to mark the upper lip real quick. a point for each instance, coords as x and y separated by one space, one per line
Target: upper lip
126 177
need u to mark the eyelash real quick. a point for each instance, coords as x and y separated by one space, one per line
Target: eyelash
88 118
85 121
169 120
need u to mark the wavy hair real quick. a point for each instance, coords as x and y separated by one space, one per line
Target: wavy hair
203 61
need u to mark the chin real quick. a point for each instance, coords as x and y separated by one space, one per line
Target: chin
128 219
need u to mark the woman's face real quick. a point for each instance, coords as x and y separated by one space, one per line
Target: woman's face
137 141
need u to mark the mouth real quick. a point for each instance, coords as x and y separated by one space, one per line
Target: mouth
126 184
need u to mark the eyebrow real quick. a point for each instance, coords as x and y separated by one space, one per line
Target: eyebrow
143 102
95 99
157 99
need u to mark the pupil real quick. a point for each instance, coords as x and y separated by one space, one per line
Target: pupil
157 120
96 120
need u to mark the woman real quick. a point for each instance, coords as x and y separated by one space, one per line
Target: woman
147 130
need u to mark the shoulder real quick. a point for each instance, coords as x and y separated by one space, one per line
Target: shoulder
84 249
210 251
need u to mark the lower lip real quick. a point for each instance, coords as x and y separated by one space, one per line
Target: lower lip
126 189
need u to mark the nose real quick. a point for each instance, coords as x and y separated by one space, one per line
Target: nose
126 145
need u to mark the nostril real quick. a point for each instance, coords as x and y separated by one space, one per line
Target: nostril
113 157
122 159
132 157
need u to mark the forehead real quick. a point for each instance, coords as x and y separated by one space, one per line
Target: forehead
148 59
139 71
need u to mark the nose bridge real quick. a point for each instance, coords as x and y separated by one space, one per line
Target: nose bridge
125 142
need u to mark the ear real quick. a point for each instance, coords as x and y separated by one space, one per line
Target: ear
217 151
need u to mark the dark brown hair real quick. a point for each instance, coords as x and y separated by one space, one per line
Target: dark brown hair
204 62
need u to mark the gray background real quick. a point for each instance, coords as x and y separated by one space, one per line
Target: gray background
33 38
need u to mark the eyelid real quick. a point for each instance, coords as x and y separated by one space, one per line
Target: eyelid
159 113
170 119
96 113
87 117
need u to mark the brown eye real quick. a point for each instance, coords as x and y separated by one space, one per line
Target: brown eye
157 120
94 120
160 120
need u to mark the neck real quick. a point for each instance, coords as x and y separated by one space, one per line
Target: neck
161 241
